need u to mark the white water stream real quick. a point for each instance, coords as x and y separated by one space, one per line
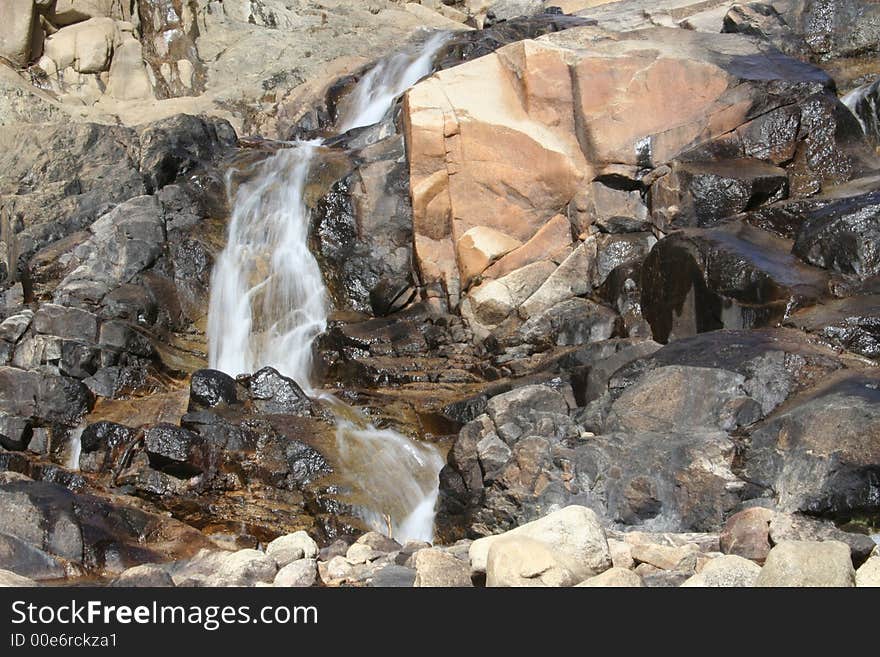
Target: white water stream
269 303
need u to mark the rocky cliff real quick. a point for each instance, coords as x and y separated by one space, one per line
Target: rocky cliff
618 260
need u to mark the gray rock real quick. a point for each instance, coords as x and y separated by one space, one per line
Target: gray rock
437 568
796 527
302 573
379 542
678 398
27 561
292 547
808 563
819 455
243 568
727 571
393 576
146 575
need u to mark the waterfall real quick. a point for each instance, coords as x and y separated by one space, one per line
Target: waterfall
376 92
268 304
862 102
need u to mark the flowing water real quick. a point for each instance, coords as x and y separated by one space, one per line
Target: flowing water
269 303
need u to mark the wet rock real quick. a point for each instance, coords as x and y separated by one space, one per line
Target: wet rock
63 400
176 451
521 561
209 388
864 103
274 393
808 563
436 568
15 432
614 577
9 579
851 324
301 574
180 144
747 534
819 455
843 237
732 276
704 193
868 574
573 533
148 575
726 571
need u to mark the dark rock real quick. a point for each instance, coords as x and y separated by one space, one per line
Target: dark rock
44 516
572 322
661 481
175 451
103 444
776 363
820 453
732 276
57 179
79 360
851 324
209 388
363 232
124 337
704 193
843 236
15 432
70 323
275 393
393 576
677 399
123 242
618 250
63 400
180 144
622 291
26 560
864 103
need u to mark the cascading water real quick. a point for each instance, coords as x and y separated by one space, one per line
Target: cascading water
269 303
379 88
